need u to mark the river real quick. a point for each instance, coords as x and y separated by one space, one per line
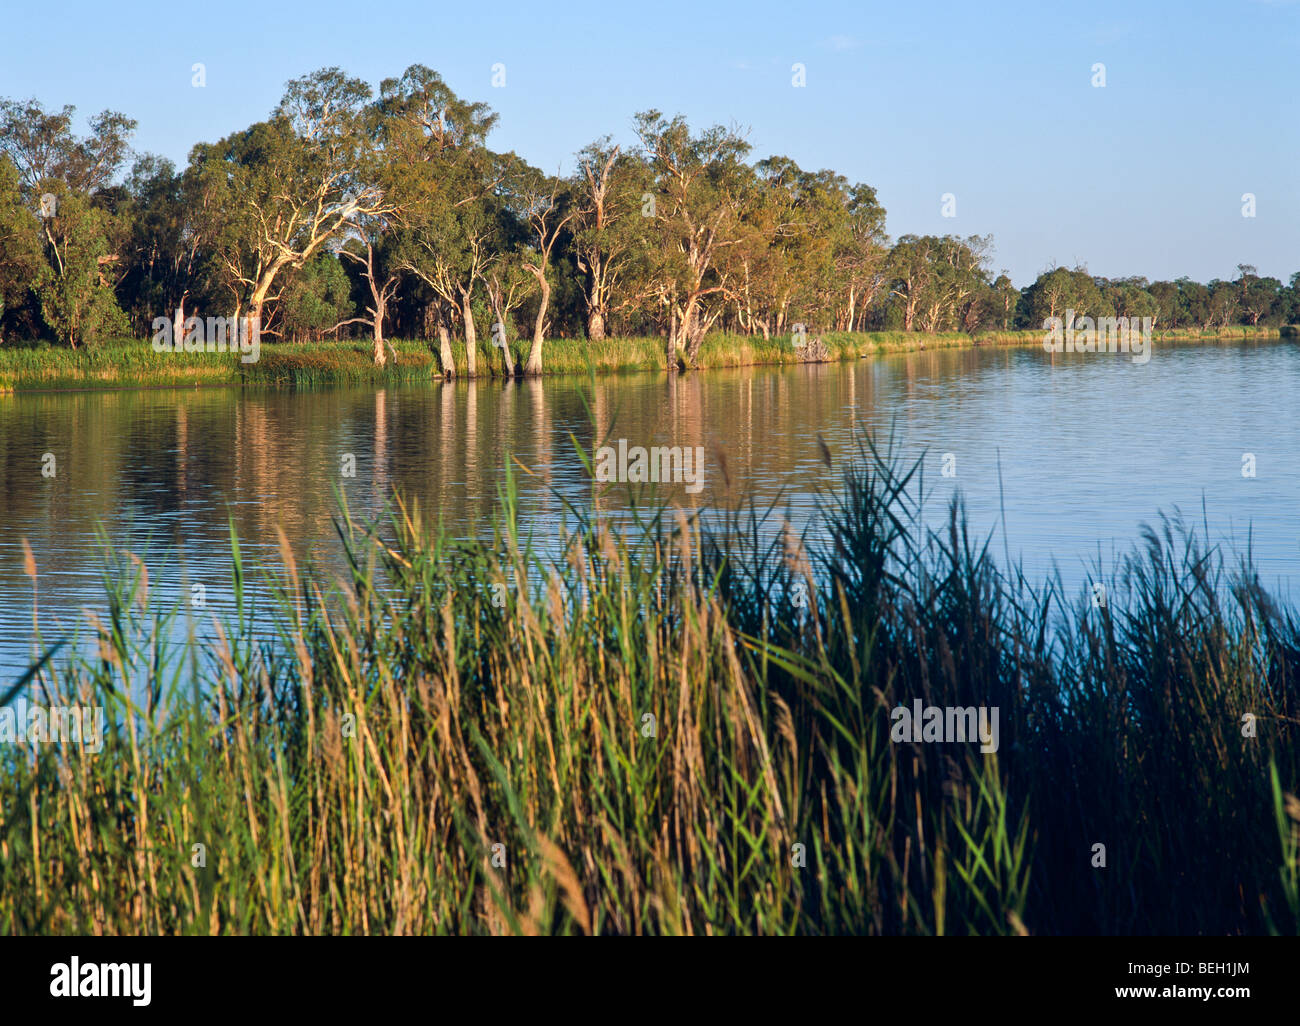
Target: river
1073 452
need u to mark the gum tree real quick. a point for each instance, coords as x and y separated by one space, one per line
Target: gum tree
701 184
609 229
281 191
20 247
445 181
544 207
65 180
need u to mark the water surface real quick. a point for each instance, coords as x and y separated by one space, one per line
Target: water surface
1075 451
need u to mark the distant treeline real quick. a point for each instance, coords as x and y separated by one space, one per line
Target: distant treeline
349 213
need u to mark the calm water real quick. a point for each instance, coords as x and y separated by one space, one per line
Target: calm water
1088 447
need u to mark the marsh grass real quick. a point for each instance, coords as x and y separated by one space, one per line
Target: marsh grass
350 756
126 363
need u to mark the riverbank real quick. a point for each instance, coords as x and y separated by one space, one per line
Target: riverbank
132 363
674 730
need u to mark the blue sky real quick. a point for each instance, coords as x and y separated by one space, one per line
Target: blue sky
992 103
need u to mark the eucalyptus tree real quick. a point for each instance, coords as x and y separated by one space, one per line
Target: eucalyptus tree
20 244
912 269
833 244
65 181
701 186
1003 300
370 254
507 283
43 148
612 196
1224 302
445 185
1050 294
1289 301
1131 298
76 285
860 254
763 278
787 250
313 299
1196 301
165 249
1171 308
965 281
504 268
1257 296
542 203
1060 292
940 281
283 190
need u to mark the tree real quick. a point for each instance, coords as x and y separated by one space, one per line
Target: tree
1050 294
963 281
1258 295
1225 300
1289 301
1171 307
75 293
66 179
506 283
314 299
860 253
445 186
280 191
1131 298
609 229
164 253
545 208
368 254
911 270
1196 301
701 185
1003 300
1057 292
43 148
20 248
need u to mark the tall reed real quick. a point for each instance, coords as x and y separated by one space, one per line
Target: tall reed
674 725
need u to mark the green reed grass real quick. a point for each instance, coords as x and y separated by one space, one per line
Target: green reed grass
350 755
128 363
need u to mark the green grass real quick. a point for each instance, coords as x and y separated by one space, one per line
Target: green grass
353 771
132 363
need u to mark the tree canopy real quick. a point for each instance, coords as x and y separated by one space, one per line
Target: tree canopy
351 210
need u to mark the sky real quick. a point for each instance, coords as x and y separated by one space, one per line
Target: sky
994 104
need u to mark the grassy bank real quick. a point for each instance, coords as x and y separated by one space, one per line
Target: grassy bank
675 728
130 363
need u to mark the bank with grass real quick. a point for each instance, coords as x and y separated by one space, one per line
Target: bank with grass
132 363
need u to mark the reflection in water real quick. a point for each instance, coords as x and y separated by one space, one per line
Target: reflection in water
1086 448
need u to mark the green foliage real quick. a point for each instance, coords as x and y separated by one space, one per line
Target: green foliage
76 297
20 254
678 236
65 181
316 299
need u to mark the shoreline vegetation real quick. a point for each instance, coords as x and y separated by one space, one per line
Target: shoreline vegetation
681 727
128 363
368 214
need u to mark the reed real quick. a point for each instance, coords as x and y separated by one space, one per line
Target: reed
131 363
671 724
